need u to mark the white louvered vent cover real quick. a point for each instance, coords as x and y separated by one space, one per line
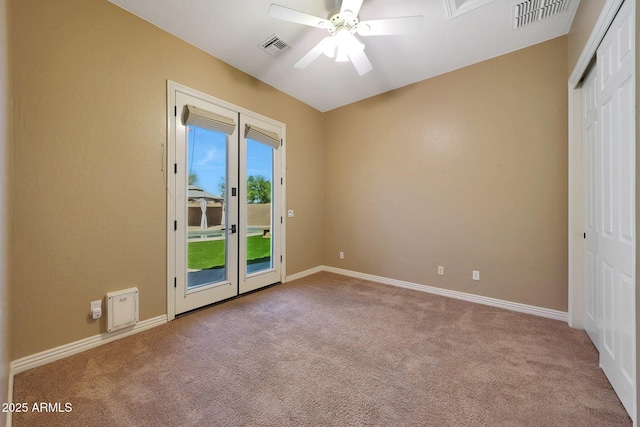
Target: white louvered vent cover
274 45
531 11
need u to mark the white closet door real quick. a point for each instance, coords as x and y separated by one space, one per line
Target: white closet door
616 212
590 150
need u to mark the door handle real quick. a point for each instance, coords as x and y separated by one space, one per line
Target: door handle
232 230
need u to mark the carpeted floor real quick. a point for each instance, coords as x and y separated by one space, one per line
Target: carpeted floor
333 350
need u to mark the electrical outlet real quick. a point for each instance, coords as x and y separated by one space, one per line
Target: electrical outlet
290 213
476 275
441 270
341 255
96 309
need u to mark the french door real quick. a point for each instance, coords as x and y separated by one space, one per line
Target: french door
225 198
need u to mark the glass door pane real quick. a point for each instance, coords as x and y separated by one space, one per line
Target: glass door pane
259 223
206 207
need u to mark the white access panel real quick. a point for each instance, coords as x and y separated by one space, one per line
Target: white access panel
122 309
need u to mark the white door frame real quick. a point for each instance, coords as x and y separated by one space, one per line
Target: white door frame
171 190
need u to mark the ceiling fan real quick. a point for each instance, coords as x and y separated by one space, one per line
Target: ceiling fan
342 25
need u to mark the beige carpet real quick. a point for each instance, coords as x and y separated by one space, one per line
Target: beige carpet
332 350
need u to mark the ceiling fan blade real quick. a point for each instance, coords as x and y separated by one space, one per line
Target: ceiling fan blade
360 61
312 55
390 26
352 5
291 15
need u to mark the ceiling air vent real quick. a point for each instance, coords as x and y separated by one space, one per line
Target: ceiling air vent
274 45
531 11
456 8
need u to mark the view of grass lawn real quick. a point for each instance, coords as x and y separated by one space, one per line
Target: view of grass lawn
211 253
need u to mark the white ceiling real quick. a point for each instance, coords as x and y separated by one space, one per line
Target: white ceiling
232 30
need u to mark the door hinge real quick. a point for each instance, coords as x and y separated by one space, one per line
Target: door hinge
281 181
280 258
175 225
175 111
175 282
585 235
280 220
175 168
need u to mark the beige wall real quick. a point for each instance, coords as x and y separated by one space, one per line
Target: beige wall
581 27
4 203
467 170
90 201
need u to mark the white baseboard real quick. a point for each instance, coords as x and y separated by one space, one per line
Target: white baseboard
66 350
305 273
478 299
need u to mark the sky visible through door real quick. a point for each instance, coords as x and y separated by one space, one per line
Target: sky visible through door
207 159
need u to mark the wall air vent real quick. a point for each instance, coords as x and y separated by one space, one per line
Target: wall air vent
274 45
531 11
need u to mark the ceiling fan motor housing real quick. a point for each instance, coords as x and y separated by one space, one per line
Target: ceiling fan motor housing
346 20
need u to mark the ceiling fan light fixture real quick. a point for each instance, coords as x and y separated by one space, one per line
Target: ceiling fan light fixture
346 45
342 34
342 55
352 44
329 47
